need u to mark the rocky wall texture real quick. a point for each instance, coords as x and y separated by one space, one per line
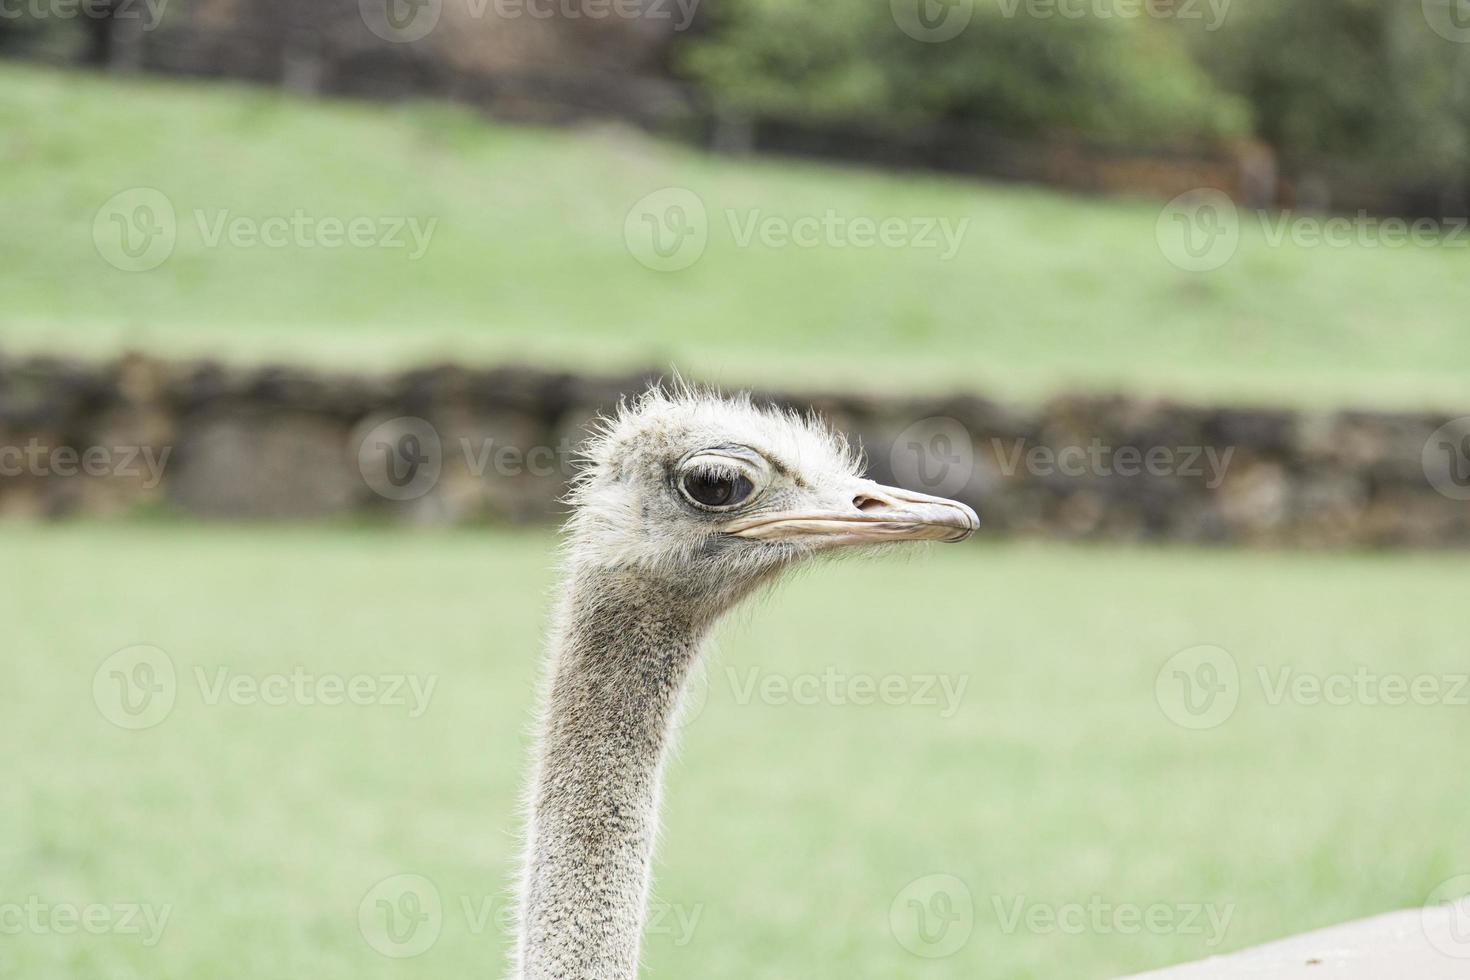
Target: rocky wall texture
450 445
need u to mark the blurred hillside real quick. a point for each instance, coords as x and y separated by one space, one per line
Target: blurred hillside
1345 104
528 254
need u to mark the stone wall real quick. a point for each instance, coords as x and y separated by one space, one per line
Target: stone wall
449 445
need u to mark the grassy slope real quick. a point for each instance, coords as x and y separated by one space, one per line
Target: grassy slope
790 827
528 259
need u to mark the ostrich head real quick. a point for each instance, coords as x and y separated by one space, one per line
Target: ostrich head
688 503
718 495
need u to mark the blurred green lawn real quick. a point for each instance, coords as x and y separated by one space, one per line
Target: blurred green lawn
528 259
791 828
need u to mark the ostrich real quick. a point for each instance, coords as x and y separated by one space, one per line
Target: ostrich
689 503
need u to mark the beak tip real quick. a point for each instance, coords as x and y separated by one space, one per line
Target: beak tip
971 521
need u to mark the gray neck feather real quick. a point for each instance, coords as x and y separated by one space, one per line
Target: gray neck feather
620 653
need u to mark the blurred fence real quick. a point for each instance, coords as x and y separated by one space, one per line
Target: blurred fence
450 445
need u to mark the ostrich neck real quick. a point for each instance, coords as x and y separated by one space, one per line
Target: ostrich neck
620 654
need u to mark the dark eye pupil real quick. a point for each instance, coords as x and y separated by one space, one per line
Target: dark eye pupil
717 489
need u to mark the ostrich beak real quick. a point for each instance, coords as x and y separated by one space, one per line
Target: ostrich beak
875 514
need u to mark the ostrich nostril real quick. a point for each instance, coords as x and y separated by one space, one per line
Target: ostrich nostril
865 503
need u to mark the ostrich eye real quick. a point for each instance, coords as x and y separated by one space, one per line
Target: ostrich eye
716 488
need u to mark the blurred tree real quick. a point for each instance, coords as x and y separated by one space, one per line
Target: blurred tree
1360 89
1110 79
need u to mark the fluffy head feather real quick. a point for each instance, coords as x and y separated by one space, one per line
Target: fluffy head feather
627 509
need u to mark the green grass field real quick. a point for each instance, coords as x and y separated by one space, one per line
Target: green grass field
528 258
1055 781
